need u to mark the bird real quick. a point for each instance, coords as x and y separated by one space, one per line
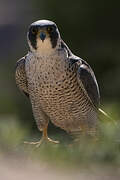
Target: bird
62 87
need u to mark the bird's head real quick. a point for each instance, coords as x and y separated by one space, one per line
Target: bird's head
43 36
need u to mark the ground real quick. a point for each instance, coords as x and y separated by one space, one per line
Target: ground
22 168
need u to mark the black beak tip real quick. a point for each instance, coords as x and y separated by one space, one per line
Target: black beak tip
42 36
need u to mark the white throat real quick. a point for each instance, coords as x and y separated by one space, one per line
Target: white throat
44 48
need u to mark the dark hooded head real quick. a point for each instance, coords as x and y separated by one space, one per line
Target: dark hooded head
43 35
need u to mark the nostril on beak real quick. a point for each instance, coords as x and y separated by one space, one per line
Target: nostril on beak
42 36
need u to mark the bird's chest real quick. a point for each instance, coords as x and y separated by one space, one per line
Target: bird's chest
48 79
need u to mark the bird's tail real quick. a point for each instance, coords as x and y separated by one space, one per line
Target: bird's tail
107 116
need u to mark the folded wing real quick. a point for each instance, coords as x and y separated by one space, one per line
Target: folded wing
20 76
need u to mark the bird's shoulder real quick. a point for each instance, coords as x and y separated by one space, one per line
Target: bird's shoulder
20 75
85 75
21 62
72 58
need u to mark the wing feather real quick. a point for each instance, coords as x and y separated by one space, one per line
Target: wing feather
86 76
20 76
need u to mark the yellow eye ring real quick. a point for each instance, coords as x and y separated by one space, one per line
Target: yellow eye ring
50 29
34 30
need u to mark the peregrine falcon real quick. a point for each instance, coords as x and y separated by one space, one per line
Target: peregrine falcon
61 87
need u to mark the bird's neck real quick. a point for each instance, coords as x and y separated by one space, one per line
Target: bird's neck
48 58
44 48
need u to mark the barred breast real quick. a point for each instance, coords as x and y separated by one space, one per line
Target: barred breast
53 86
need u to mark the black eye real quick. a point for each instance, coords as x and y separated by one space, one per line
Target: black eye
34 30
50 29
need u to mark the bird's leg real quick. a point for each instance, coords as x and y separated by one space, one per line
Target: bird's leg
44 138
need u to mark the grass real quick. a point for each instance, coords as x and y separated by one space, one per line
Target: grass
104 151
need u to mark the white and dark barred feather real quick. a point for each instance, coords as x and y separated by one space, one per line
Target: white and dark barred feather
20 76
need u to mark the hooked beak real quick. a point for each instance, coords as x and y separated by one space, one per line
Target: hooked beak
42 36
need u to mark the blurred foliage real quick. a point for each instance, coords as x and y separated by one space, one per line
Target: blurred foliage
105 150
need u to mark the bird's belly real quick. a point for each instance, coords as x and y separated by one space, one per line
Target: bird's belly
60 96
63 101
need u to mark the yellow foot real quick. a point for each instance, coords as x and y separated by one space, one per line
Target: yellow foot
43 139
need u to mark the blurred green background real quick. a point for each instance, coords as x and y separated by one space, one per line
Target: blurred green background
91 29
